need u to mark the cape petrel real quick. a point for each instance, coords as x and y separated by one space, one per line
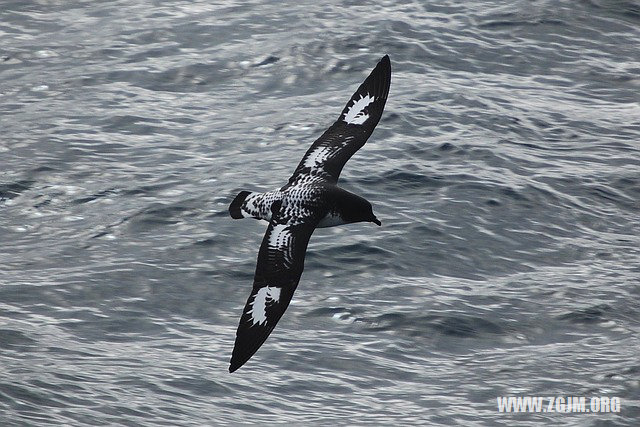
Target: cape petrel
309 200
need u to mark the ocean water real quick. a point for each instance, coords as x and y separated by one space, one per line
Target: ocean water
505 170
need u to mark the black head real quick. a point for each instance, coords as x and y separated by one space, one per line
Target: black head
358 209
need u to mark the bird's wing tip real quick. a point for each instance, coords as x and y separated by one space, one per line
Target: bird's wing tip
385 62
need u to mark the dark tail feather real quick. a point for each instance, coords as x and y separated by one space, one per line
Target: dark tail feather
235 206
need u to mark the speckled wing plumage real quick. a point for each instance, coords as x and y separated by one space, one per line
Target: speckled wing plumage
329 153
248 204
278 271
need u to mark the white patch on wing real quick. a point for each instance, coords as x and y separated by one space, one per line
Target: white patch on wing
280 240
258 310
279 236
356 115
317 156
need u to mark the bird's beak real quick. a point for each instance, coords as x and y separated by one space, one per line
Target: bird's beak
376 221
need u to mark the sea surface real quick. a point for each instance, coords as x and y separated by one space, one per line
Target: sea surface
505 171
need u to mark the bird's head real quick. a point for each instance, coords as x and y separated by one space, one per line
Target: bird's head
359 210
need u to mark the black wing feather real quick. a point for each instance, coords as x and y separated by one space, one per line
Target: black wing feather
334 148
277 275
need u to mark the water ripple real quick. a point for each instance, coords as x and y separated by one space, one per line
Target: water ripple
505 173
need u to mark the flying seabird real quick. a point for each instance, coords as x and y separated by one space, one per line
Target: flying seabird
310 199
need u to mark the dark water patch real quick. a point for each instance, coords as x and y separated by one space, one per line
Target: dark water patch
156 216
14 189
191 78
427 326
100 234
147 222
28 397
610 195
427 230
132 125
510 20
353 253
119 328
249 409
406 180
44 168
631 371
628 184
392 117
181 120
74 378
147 189
42 203
74 352
95 196
325 311
429 152
513 194
126 411
61 388
339 313
466 326
447 146
496 194
594 314
627 9
199 387
271 59
15 340
206 242
158 52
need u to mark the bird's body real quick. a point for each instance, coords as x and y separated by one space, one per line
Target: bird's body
325 202
311 199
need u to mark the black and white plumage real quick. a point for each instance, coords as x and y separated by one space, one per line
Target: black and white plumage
310 199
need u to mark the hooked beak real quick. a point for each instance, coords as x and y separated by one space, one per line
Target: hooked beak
376 221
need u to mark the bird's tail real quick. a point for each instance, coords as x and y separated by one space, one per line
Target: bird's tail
235 208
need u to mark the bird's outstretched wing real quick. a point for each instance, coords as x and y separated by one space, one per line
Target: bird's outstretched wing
329 153
280 265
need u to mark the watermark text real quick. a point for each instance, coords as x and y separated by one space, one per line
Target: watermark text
562 404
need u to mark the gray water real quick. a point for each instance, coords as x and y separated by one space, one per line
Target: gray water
505 170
